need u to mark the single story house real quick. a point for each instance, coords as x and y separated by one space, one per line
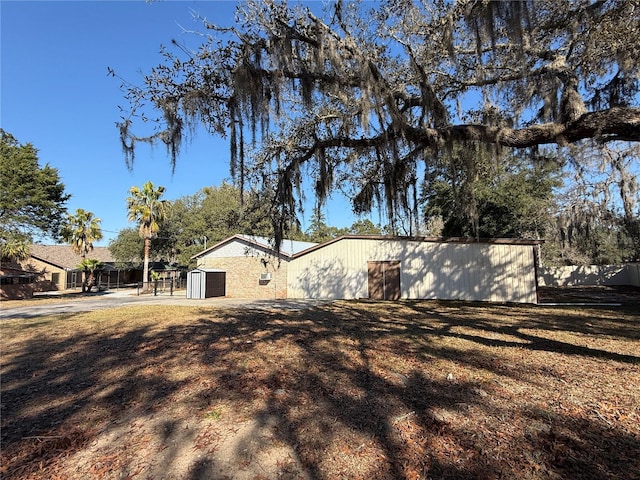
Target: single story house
378 267
56 267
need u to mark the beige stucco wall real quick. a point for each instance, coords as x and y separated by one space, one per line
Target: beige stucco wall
494 272
43 282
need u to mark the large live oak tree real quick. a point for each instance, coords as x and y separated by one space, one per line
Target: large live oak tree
363 98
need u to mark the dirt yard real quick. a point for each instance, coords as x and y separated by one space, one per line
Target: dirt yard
357 390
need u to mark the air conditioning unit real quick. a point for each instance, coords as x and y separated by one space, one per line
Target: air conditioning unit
265 277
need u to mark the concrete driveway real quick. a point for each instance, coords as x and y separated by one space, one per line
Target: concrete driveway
119 298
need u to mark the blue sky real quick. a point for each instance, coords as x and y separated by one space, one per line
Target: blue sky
56 95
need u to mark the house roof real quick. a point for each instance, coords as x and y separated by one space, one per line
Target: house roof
288 247
63 256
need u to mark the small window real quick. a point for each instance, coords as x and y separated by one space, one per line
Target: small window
55 278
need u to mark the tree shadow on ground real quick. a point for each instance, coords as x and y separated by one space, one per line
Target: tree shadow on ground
351 390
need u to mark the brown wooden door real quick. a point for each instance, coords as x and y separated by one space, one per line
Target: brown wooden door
384 280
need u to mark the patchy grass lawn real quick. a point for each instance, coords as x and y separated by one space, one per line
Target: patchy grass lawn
359 390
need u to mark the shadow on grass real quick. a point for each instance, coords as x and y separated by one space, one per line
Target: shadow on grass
354 390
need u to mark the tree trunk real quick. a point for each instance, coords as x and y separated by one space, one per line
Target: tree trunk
90 280
84 280
145 272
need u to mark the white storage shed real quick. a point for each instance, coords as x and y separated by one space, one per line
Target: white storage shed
206 283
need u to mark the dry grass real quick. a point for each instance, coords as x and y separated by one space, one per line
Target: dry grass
355 390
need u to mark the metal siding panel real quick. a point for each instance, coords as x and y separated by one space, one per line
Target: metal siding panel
502 281
497 261
515 274
505 283
194 284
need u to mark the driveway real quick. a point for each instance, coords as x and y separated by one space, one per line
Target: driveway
119 298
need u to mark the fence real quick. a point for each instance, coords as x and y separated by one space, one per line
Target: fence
162 286
573 276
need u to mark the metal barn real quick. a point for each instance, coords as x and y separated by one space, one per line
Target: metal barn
377 267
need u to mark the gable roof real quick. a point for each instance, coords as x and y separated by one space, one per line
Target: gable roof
63 256
288 248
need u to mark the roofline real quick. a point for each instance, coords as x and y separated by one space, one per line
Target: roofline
239 236
64 267
50 262
498 241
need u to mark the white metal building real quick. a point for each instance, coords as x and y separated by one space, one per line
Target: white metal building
496 270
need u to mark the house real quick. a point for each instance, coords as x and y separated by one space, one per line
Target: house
251 266
15 283
378 267
56 267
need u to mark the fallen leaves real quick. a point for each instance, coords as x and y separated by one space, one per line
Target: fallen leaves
371 390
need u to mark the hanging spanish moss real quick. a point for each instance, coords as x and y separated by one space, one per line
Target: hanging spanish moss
371 97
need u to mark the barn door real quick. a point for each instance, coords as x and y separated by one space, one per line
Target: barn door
384 280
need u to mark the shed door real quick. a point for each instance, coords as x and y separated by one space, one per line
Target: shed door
195 288
215 284
384 280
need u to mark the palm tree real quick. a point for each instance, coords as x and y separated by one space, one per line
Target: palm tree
80 231
92 266
146 208
14 247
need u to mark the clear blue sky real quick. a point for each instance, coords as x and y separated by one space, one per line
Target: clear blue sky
56 95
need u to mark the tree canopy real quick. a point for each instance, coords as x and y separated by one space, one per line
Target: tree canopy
195 221
32 198
505 197
81 230
363 100
215 213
